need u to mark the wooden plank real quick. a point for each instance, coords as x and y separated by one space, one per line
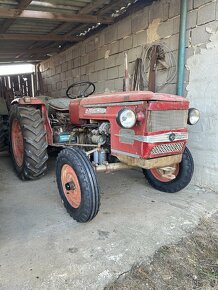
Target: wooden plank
23 4
88 9
29 51
7 23
40 37
60 28
92 6
22 59
85 10
64 17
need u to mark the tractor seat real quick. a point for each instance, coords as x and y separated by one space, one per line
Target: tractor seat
60 104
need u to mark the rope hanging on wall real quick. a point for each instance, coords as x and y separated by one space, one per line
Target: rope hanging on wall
158 58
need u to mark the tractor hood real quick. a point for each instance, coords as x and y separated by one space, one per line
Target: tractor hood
131 96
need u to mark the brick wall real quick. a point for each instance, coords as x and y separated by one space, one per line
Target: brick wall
100 59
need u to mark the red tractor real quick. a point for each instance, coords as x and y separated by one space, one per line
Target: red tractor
102 133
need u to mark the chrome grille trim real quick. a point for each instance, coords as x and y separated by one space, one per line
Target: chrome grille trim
159 138
165 137
167 120
168 148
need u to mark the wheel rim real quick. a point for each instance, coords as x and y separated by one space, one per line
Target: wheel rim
158 173
17 142
71 186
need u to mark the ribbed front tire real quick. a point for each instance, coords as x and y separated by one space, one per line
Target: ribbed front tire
77 184
28 143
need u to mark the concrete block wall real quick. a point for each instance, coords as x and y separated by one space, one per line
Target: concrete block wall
100 59
202 91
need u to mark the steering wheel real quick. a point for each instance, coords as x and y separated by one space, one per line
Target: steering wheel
80 90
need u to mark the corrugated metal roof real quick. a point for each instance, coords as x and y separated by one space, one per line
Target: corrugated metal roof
19 33
32 26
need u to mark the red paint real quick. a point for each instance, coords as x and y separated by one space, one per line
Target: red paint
160 105
105 107
17 143
74 111
147 101
40 105
140 116
130 97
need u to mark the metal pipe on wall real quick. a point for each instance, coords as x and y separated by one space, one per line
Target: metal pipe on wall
182 47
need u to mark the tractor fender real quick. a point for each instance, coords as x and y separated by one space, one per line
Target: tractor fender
29 101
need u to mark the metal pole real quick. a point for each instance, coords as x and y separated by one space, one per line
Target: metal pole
126 78
182 46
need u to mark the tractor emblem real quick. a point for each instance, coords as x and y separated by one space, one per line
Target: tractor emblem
172 137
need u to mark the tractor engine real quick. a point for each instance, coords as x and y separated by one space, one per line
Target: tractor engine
93 133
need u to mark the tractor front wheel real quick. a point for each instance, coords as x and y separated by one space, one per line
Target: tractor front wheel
77 184
183 175
28 144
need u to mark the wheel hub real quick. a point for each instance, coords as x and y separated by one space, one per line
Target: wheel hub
166 174
71 186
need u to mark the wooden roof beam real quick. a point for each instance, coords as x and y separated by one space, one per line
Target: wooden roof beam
7 23
26 59
85 10
92 6
23 4
44 50
40 37
64 17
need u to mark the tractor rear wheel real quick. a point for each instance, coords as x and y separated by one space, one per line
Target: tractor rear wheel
28 143
183 173
77 184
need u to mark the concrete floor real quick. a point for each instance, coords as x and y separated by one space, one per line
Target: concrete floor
42 247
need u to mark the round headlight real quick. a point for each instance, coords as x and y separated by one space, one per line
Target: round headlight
126 118
193 116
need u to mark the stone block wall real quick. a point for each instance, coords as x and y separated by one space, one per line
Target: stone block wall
100 59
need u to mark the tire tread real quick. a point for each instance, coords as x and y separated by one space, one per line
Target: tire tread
35 143
181 181
90 203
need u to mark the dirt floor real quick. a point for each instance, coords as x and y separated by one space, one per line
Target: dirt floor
192 263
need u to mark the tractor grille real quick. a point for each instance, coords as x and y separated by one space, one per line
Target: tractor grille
168 148
167 120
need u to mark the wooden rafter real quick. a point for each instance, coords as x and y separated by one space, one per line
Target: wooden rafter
40 37
60 28
7 23
92 6
26 59
29 51
85 10
64 17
